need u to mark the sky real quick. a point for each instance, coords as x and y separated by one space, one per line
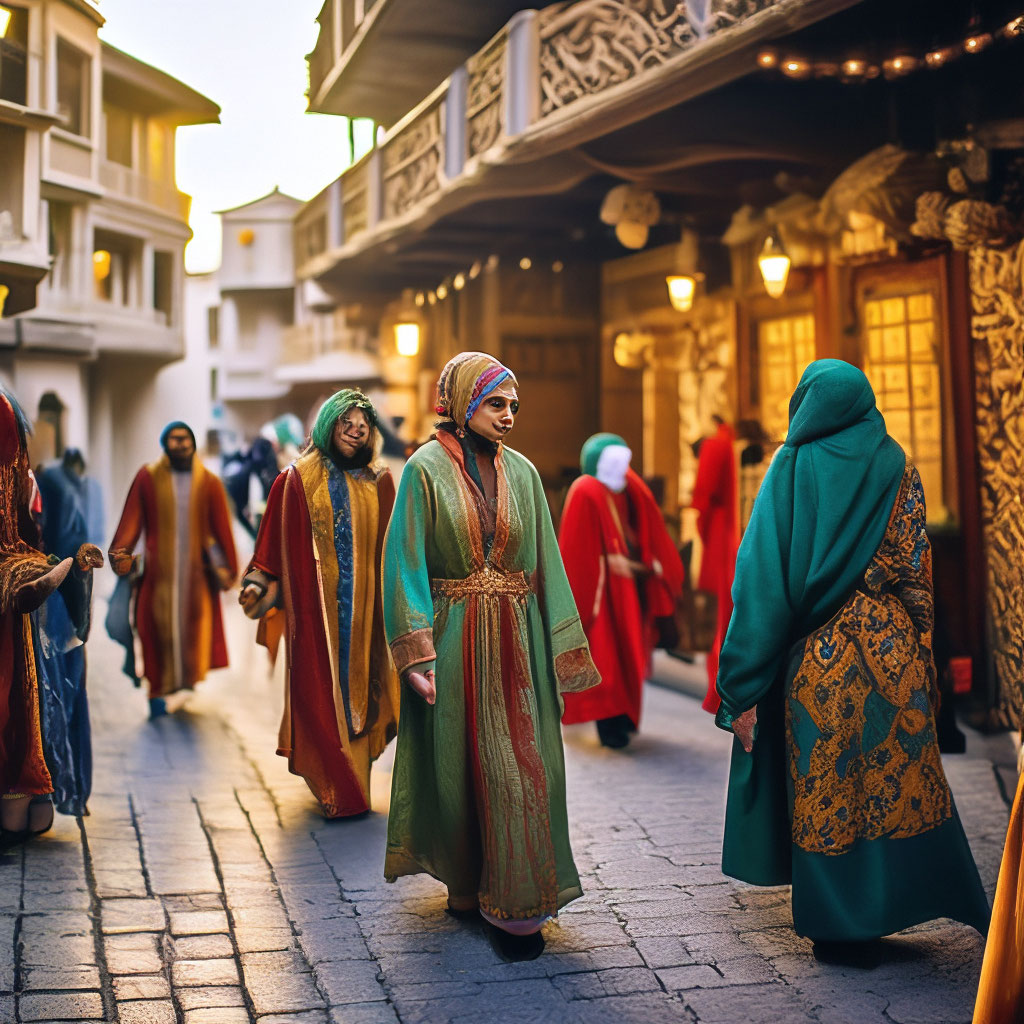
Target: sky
248 57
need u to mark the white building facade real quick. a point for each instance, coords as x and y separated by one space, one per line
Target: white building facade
92 236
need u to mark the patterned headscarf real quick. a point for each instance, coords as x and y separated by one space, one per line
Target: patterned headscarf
466 380
334 408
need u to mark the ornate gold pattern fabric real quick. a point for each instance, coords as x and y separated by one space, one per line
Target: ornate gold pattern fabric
864 762
488 581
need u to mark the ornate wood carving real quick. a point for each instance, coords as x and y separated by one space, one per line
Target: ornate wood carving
997 295
485 93
355 201
590 46
412 162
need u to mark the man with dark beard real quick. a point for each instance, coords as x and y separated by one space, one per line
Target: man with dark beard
189 557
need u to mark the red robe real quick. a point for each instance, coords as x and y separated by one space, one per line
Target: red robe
296 545
714 498
617 610
23 769
150 508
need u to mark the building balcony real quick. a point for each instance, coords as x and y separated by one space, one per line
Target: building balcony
377 58
120 182
326 349
508 120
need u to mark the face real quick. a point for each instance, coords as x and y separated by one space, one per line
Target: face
180 446
496 414
351 432
612 466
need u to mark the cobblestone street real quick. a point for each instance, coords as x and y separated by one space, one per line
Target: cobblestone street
204 888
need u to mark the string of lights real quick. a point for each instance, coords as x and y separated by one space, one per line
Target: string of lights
456 282
860 69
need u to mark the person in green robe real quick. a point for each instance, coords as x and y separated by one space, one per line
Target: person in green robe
485 634
828 681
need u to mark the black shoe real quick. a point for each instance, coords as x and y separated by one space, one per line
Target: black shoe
515 949
614 732
867 955
10 839
469 914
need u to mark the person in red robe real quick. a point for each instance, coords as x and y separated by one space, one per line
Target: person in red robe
625 573
189 557
27 579
715 499
315 579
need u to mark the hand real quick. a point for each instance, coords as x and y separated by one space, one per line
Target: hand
89 557
249 597
121 562
422 683
743 727
225 577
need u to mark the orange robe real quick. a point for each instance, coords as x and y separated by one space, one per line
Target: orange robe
182 634
1001 988
714 498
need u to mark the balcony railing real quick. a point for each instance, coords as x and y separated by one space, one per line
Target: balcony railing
538 67
124 183
324 335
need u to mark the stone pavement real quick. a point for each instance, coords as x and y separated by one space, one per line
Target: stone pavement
204 888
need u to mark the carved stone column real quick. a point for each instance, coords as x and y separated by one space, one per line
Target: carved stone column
997 326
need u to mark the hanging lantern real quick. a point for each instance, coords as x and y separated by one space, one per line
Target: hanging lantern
101 264
774 265
681 289
407 339
768 59
459 282
977 42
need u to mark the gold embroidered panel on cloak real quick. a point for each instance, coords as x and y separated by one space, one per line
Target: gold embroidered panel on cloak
863 757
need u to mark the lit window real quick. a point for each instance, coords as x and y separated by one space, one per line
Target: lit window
902 363
785 347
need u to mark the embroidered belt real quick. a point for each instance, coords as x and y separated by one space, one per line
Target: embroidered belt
488 581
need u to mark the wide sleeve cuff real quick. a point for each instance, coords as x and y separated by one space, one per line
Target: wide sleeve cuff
575 671
413 648
724 718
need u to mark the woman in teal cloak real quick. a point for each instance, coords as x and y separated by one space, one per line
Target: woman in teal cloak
840 789
484 631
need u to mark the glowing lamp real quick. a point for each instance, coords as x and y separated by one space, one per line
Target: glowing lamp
936 58
796 67
101 264
774 265
407 339
977 43
767 59
459 282
442 292
246 236
901 65
855 68
681 289
557 267
432 298
1015 28
420 298
5 20
474 271
525 263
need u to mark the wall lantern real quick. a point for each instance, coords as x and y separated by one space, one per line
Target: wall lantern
407 339
101 264
681 289
5 20
774 265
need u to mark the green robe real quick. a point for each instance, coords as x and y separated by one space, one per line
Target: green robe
478 792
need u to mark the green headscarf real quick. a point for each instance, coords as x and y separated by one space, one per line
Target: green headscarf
335 407
818 520
592 449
